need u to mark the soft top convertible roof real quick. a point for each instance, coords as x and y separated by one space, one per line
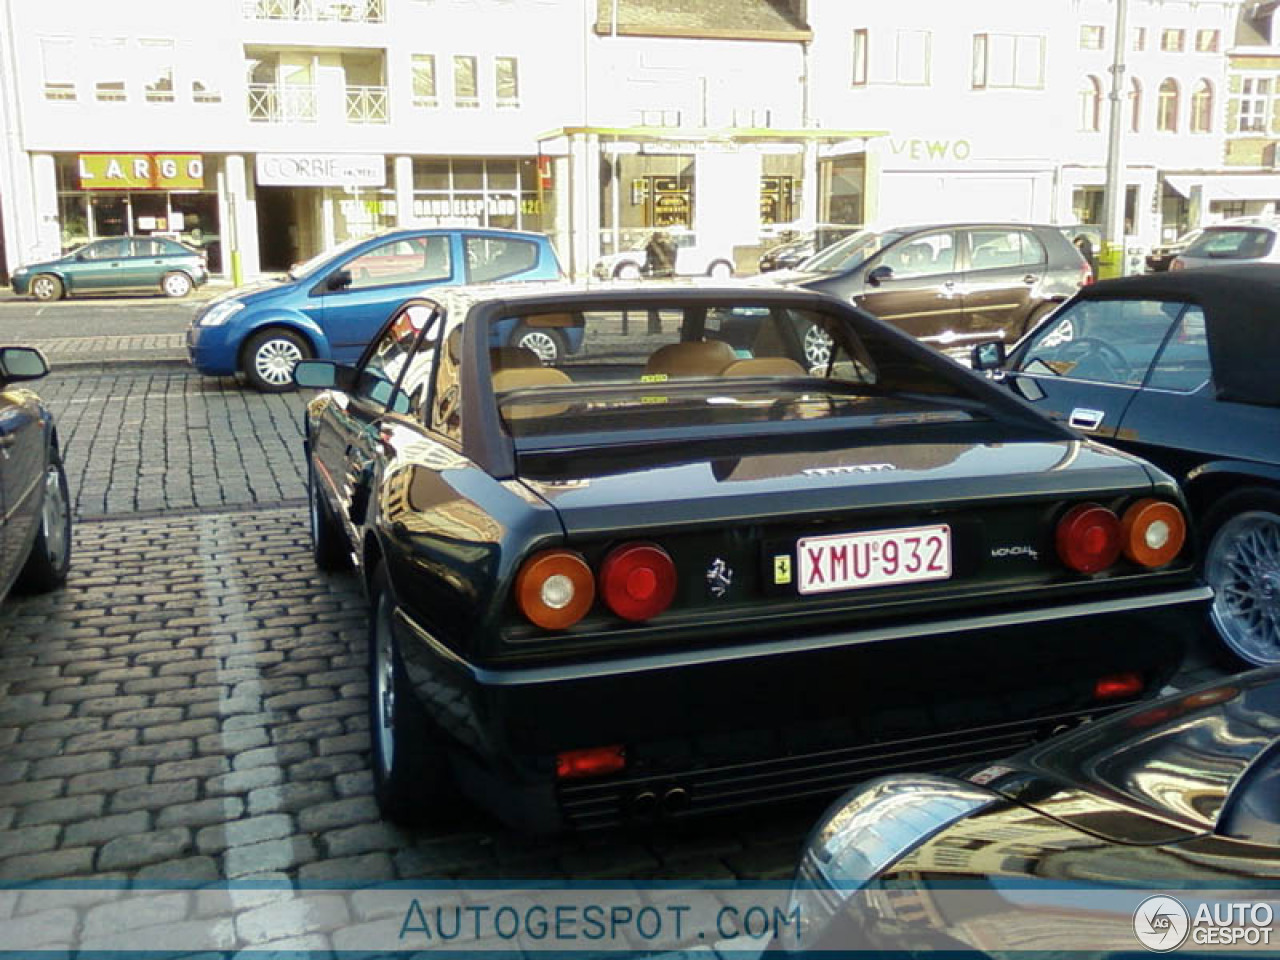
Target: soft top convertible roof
1241 304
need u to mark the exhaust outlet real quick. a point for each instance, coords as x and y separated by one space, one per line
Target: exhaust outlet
644 805
674 801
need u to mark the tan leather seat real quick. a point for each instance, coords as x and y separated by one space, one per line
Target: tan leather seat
764 367
510 358
520 378
697 358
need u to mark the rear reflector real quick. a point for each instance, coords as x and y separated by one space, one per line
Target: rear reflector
1089 538
1118 685
555 589
1154 532
593 762
637 580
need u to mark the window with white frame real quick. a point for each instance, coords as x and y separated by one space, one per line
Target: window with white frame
1008 61
424 80
1173 39
506 81
157 66
1092 36
1208 41
109 65
1091 105
911 64
1167 106
1254 104
1135 104
202 69
1138 39
466 92
860 54
57 57
1202 107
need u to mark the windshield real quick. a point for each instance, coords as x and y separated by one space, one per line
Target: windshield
299 270
850 253
1236 243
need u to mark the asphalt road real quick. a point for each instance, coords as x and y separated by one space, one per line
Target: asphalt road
23 319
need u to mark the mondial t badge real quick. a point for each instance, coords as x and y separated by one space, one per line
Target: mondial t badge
719 577
852 468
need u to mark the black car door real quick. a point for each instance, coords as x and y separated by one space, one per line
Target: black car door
347 439
1086 366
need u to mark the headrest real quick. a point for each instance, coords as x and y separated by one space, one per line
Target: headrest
697 358
764 367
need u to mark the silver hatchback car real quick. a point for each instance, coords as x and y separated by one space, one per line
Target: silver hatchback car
1252 241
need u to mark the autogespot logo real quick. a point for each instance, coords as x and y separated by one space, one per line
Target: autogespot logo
1161 923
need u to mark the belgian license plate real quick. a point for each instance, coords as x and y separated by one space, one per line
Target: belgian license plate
850 561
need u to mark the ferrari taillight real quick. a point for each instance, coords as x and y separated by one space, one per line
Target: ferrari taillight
1089 538
555 589
1153 532
638 580
1118 685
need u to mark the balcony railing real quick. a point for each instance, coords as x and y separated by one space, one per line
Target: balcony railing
367 105
345 11
282 103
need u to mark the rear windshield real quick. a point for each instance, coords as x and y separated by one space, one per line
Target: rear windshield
631 370
1233 243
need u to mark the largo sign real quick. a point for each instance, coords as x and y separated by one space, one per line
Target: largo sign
141 171
321 170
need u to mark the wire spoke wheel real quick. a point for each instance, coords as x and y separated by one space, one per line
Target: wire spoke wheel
1243 567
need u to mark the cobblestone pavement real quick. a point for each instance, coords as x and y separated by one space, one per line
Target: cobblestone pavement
166 438
62 352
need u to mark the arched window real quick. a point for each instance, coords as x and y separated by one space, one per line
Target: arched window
1135 104
1091 105
1167 107
1202 107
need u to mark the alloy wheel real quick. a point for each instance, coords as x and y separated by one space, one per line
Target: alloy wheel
54 517
817 346
384 693
275 360
542 344
1243 567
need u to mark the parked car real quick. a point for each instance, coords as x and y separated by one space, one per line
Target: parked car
332 305
1180 368
662 576
35 522
692 259
1161 256
1251 240
949 284
1059 849
114 265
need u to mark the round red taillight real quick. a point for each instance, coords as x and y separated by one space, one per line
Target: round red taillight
637 580
1154 532
1089 538
555 589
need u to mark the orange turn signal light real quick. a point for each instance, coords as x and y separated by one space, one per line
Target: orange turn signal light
1153 532
555 589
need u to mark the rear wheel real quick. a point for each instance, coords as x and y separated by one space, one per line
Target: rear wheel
46 286
547 344
411 776
1036 315
329 548
720 270
176 284
270 356
1242 565
627 271
817 346
50 557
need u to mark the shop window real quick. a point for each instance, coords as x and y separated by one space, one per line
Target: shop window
466 94
1092 37
506 81
1173 40
1207 41
158 60
1008 61
424 80
57 56
1167 107
1202 107
109 62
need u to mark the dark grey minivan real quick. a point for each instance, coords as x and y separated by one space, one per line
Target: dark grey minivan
950 284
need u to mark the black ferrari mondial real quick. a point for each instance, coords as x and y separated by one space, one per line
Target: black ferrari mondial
680 571
1064 846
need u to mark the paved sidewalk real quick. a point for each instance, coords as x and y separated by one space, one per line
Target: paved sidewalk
165 438
158 348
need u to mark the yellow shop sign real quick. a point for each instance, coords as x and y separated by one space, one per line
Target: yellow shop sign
141 171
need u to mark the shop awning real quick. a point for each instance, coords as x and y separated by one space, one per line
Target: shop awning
1228 186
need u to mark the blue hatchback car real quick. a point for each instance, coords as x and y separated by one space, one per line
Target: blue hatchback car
331 306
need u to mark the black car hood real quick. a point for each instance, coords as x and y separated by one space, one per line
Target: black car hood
1157 773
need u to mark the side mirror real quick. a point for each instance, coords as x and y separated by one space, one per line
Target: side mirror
338 280
987 356
316 374
22 363
877 274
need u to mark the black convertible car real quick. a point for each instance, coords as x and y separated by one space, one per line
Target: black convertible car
1181 369
35 508
669 575
1060 848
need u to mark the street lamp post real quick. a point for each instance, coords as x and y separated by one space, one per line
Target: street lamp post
1114 196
